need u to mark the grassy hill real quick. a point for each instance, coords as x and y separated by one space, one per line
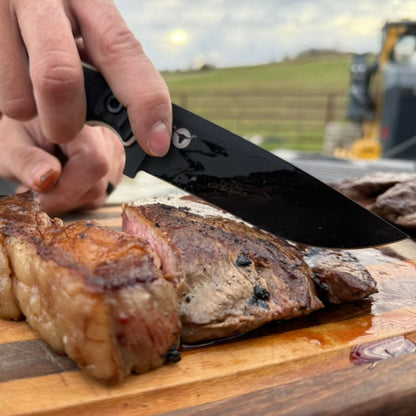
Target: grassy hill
329 72
284 102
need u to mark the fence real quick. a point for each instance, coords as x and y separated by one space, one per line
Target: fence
276 118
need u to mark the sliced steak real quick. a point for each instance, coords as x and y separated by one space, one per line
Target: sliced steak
366 189
96 294
392 196
339 275
231 278
372 184
9 308
398 204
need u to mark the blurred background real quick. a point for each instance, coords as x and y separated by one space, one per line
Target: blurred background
277 72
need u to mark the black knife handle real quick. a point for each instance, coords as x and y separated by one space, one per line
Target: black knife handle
103 108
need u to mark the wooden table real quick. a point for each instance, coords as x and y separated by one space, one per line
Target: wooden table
300 367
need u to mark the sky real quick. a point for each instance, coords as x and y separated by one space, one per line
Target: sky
184 34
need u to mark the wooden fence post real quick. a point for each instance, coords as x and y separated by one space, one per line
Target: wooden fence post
330 107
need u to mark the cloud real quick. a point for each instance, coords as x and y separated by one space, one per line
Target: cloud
243 32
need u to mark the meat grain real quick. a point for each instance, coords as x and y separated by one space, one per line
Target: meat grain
96 294
230 277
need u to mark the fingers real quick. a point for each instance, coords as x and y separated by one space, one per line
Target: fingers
95 158
16 96
55 87
24 161
55 67
134 80
92 160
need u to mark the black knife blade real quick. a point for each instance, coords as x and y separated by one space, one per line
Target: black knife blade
242 178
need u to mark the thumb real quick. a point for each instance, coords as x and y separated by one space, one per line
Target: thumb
36 169
21 159
41 173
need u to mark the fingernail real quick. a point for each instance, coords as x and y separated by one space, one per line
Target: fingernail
44 178
159 139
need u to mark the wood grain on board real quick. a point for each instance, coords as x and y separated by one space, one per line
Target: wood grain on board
300 367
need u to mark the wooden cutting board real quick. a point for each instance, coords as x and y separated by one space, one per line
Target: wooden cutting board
301 367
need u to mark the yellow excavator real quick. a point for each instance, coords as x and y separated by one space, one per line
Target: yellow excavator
382 100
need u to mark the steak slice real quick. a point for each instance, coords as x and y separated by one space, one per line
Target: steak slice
365 189
398 204
392 196
230 277
9 308
96 294
339 275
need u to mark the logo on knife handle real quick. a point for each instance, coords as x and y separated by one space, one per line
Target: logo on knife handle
182 137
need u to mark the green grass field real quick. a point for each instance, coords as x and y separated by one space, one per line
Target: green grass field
284 102
328 72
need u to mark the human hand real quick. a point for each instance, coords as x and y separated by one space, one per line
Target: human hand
40 68
66 176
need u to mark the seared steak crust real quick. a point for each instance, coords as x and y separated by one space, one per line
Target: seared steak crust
91 292
231 278
339 275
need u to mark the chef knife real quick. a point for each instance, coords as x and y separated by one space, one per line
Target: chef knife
242 178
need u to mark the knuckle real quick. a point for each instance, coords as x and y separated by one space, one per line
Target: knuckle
99 162
116 41
56 75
